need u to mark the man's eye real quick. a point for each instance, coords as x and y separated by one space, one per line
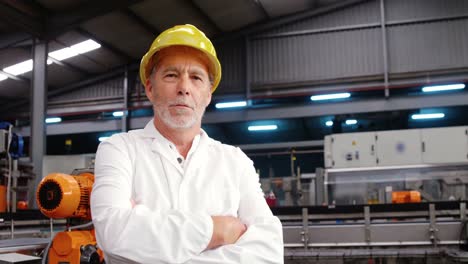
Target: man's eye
171 75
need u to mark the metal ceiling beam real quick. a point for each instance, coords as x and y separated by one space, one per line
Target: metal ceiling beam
70 66
205 16
262 9
31 18
312 110
262 26
16 78
10 40
142 23
105 44
351 107
97 78
71 87
88 81
12 15
71 19
282 145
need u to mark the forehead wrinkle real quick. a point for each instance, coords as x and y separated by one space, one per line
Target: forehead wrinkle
191 69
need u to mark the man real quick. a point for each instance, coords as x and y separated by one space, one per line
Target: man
168 193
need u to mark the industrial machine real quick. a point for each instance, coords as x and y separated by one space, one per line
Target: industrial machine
373 167
381 197
385 197
14 174
67 196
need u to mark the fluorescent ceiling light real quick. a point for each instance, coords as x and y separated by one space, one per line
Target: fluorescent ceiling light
19 68
51 120
329 123
427 116
101 139
329 96
231 104
118 113
75 50
86 46
437 88
63 54
262 128
3 77
351 121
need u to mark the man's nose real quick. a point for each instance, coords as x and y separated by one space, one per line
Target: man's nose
183 87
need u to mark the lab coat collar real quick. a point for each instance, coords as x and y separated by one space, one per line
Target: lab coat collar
160 144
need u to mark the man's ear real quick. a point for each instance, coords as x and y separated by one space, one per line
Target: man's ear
149 89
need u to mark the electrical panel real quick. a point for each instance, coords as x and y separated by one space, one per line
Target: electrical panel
399 147
352 150
445 145
3 140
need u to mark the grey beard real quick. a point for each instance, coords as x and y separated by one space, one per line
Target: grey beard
183 123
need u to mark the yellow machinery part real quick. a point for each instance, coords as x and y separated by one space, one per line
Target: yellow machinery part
68 247
65 196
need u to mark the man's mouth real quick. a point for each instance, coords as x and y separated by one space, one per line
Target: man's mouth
182 105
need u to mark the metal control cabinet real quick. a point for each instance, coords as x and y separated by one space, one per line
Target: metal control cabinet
351 150
445 145
448 145
399 147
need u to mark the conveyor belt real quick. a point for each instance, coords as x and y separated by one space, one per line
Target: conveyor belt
376 208
12 245
23 215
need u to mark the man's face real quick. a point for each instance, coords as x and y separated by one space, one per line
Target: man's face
179 87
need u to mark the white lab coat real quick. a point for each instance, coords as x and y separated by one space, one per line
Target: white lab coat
170 221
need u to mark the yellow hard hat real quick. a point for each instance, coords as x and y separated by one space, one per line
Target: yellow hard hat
185 35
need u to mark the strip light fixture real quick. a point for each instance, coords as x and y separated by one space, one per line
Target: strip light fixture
118 113
262 128
101 139
329 123
427 116
231 104
51 120
351 122
330 96
448 87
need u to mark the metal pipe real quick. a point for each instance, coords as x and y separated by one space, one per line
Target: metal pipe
12 228
376 244
248 72
14 178
284 153
358 27
125 101
384 47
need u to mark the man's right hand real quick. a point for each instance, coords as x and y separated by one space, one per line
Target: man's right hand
226 230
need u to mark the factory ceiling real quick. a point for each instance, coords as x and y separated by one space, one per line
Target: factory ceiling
123 28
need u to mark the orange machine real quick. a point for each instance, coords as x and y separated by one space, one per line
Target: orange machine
406 197
67 196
